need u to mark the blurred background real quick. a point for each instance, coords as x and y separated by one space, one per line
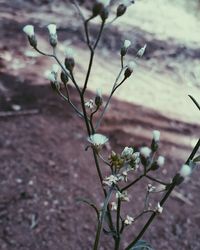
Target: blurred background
41 173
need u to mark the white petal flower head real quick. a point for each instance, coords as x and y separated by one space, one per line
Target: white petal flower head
98 140
127 152
156 135
29 30
185 171
129 220
145 152
159 209
52 29
127 44
141 51
104 2
110 180
161 161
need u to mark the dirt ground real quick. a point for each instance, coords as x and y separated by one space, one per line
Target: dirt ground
44 167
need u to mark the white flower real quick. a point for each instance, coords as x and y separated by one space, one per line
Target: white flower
52 29
69 53
127 44
29 30
150 188
161 161
156 135
110 180
89 104
145 152
122 196
129 220
97 140
55 68
158 208
104 2
141 51
127 152
185 171
113 206
131 65
136 157
51 76
127 3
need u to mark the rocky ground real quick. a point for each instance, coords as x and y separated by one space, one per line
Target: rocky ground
44 166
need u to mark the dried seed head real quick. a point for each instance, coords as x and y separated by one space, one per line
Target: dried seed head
185 171
69 59
29 30
141 51
129 70
52 34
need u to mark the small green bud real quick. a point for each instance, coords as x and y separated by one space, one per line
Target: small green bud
69 59
121 9
64 78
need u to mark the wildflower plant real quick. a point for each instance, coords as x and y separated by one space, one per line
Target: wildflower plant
141 162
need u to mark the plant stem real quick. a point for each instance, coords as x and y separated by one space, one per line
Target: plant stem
100 222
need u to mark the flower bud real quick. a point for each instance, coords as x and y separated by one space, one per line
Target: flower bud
121 9
155 140
185 171
99 6
125 47
52 34
69 59
161 161
104 14
141 51
29 30
98 98
53 80
64 78
145 152
129 69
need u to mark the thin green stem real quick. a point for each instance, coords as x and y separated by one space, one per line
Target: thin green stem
156 180
132 183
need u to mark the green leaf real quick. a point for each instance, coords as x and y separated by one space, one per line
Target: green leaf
142 245
90 203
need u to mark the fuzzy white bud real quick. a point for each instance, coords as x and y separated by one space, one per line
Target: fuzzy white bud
131 66
185 171
156 135
52 29
145 152
69 53
29 30
51 76
141 51
161 161
55 68
127 44
105 3
127 3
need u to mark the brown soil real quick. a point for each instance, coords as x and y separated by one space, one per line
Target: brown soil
44 167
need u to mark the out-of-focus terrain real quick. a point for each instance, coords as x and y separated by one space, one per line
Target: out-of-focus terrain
41 174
